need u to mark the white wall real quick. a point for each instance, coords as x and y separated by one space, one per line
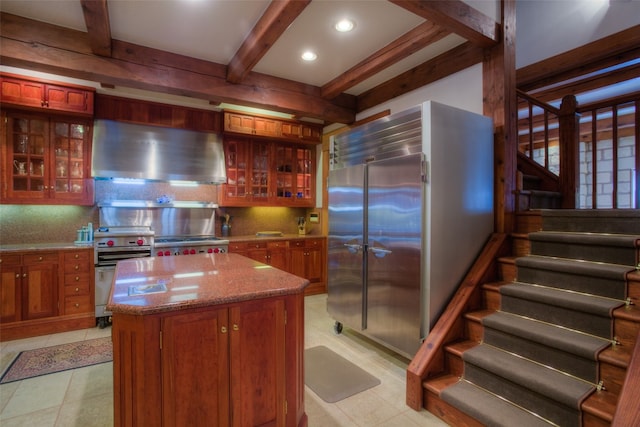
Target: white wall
461 90
545 28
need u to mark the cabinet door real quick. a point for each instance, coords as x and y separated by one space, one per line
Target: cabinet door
240 123
195 369
70 167
237 154
278 254
22 92
266 127
10 280
69 99
305 176
40 291
260 177
257 355
26 145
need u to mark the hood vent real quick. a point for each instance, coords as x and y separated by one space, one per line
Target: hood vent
124 150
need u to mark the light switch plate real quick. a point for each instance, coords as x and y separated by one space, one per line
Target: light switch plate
314 217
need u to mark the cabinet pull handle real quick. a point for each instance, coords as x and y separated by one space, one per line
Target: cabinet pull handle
223 329
235 327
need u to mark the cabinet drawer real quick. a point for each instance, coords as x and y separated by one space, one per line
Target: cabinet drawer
76 267
237 247
306 243
257 245
77 304
76 290
48 257
281 244
77 256
76 279
9 260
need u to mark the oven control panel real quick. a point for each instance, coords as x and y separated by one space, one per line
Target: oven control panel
189 250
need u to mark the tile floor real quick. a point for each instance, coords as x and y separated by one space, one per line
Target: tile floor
84 397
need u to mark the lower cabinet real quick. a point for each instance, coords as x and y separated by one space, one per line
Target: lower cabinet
43 292
228 365
302 257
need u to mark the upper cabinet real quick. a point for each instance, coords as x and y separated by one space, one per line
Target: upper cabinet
19 92
153 113
268 173
281 129
46 159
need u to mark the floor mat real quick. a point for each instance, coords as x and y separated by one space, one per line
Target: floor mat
332 377
49 360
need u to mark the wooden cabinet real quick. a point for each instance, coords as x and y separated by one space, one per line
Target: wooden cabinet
287 130
21 92
78 279
302 257
263 173
46 159
219 366
274 253
43 292
157 114
29 287
307 260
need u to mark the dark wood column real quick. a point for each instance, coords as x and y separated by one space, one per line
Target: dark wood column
499 93
569 151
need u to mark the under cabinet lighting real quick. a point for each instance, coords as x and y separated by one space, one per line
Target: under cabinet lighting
128 181
183 183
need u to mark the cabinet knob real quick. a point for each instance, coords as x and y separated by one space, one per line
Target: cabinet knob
235 327
39 258
17 275
77 256
77 289
77 305
24 275
77 278
76 267
223 329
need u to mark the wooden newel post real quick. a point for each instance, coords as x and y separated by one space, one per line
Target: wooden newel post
569 122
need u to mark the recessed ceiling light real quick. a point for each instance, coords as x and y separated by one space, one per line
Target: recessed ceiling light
309 56
344 25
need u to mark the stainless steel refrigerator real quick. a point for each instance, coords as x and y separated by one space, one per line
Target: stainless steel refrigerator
410 207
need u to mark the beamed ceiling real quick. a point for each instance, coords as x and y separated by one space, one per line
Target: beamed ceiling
248 52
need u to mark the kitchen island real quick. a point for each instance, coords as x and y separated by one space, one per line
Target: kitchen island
211 339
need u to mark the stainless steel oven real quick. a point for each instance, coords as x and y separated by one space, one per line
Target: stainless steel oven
113 244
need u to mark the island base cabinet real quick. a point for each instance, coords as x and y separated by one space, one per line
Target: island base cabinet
227 365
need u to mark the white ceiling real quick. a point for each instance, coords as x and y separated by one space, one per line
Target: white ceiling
213 30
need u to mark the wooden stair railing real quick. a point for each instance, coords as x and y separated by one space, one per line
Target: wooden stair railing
430 356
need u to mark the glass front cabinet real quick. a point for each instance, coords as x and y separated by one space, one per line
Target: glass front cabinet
267 173
47 159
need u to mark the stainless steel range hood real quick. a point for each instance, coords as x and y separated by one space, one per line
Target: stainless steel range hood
124 150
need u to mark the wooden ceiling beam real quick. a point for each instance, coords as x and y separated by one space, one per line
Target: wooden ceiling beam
577 60
452 61
96 17
406 45
275 20
47 48
458 17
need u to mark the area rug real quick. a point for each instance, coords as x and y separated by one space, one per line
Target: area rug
332 377
49 360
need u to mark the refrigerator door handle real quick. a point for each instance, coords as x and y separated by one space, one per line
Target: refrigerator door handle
353 248
379 252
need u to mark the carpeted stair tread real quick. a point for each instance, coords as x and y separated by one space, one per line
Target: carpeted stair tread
607 280
474 401
562 298
600 247
575 342
626 221
561 348
541 380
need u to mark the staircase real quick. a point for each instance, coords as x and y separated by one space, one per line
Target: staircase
550 342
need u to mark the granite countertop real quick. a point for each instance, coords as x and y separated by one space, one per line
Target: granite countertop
44 246
160 284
